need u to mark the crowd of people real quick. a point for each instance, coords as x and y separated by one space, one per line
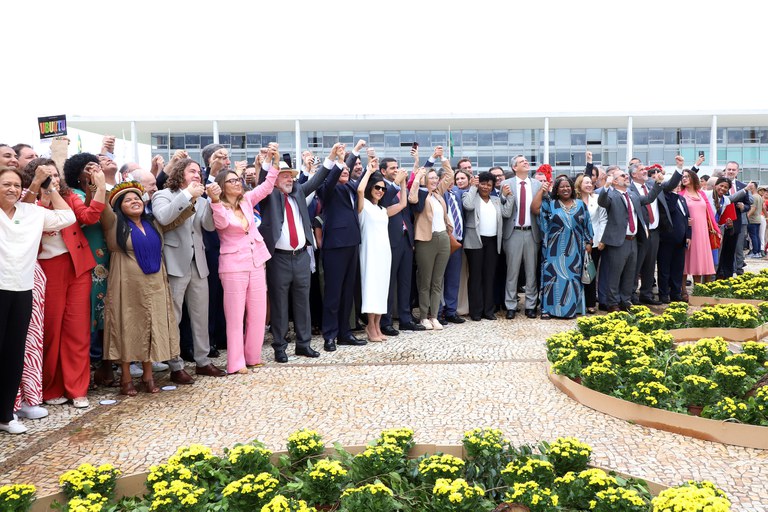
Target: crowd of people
138 270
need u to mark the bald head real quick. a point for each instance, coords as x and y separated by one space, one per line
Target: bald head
146 179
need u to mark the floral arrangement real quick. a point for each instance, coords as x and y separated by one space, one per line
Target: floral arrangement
377 461
88 479
402 437
248 459
614 356
692 497
17 498
552 476
749 285
304 443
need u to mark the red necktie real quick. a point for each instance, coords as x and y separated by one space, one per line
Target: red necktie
522 205
648 206
629 211
294 237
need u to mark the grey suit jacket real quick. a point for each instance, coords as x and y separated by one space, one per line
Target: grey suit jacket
618 215
509 223
665 223
185 241
472 203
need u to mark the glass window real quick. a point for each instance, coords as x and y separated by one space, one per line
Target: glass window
578 160
253 139
594 136
485 161
360 135
762 136
621 156
703 135
612 141
192 139
484 138
750 135
655 136
733 153
286 140
671 136
470 137
205 140
159 140
656 155
329 139
642 154
609 157
177 141
439 138
640 136
721 154
423 139
562 137
348 139
266 138
763 156
669 156
532 158
751 156
456 137
238 141
392 139
621 135
687 136
720 135
578 138
689 154
563 158
735 135
500 137
516 137
376 139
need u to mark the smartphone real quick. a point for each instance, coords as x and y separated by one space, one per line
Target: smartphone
45 184
701 153
316 160
287 159
415 145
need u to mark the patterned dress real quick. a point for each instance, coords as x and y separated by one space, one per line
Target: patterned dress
31 388
95 236
565 233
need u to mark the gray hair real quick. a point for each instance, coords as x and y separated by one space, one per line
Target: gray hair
632 168
733 162
208 151
611 169
515 159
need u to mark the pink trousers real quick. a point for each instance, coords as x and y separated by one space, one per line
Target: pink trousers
245 305
31 389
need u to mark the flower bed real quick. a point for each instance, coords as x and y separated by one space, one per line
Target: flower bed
749 286
380 478
612 355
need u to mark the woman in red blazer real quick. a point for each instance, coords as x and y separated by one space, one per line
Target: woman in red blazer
67 261
242 258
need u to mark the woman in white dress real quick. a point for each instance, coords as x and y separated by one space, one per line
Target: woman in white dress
375 253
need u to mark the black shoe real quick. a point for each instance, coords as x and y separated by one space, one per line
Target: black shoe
475 318
358 328
442 320
388 330
489 317
664 299
675 299
362 319
530 313
281 356
329 346
511 314
650 301
307 352
602 307
454 319
624 306
214 352
410 326
188 356
351 339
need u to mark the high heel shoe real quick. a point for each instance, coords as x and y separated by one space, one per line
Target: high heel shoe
149 386
126 388
104 377
370 337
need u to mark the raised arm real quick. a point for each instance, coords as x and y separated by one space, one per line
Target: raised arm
400 178
446 181
537 198
370 169
413 193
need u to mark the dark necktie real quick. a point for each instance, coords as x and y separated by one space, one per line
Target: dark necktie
522 206
292 234
629 211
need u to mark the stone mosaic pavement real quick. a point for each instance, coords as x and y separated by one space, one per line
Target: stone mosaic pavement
438 383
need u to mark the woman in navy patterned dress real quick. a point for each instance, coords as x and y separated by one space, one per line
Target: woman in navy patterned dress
567 230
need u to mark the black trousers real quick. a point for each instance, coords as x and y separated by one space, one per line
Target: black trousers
725 267
590 290
481 264
400 279
15 313
671 258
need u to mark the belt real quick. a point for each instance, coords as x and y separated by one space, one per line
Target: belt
527 228
293 252
629 237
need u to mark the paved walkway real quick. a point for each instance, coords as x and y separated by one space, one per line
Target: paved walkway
488 373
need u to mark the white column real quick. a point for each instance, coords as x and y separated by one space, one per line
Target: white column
297 130
713 143
630 141
546 141
215 132
135 142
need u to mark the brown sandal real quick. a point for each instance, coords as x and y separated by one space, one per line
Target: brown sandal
150 387
126 388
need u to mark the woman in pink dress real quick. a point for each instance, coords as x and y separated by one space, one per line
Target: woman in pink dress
698 258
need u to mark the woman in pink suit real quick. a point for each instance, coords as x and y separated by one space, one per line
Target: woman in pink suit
241 264
698 258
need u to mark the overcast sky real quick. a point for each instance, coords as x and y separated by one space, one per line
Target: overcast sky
397 57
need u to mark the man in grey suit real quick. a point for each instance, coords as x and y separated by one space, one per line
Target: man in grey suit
521 238
287 231
625 225
185 260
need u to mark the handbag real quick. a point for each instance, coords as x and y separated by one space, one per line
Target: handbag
714 238
455 244
589 271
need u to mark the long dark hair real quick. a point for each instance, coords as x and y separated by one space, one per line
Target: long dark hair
375 178
123 231
29 174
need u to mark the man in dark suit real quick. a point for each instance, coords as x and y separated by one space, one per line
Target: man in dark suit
402 246
736 236
341 242
618 246
653 214
673 242
452 280
287 231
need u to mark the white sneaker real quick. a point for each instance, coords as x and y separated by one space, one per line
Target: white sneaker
136 370
56 401
427 324
80 402
32 412
436 325
13 427
159 367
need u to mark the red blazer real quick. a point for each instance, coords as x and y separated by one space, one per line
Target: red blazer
73 236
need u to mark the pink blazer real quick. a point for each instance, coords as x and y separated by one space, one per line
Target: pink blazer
242 249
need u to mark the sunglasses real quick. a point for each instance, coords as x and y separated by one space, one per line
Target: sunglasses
380 188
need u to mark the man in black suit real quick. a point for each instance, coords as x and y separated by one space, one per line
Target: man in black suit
732 250
341 242
401 245
287 231
653 213
673 242
618 246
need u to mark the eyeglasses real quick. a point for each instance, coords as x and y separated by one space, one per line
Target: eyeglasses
380 188
233 181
